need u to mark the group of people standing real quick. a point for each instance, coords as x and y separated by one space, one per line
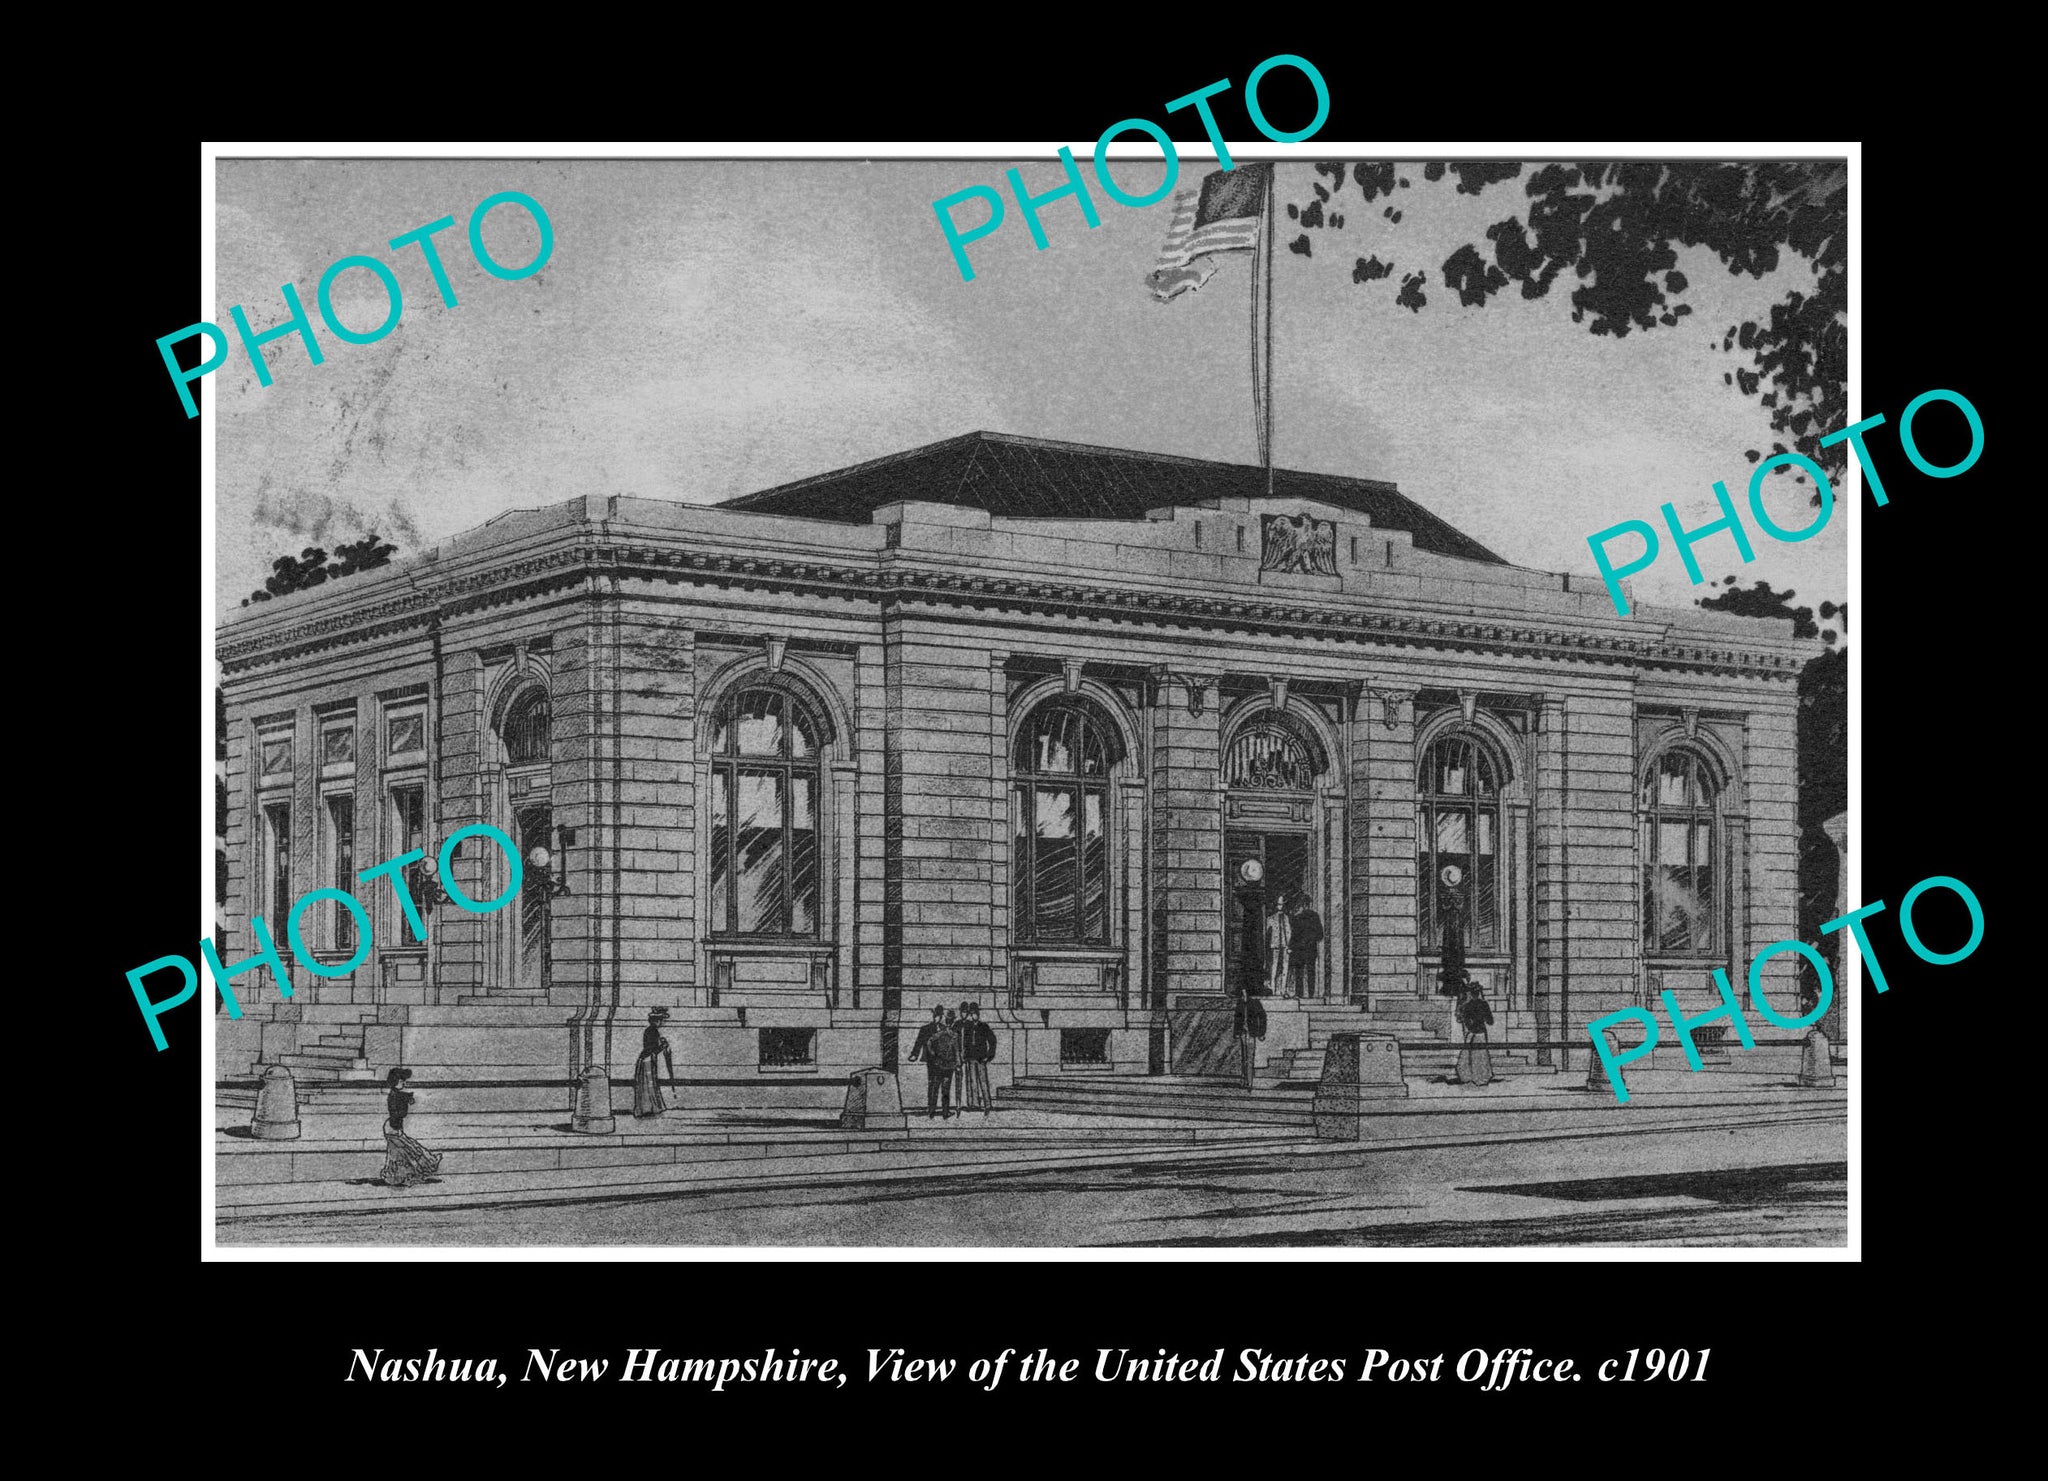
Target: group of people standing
956 1048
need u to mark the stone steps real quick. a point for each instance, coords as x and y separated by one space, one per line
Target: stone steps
336 1055
1443 1061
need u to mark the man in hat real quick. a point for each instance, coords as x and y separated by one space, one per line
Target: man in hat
1304 942
1279 929
939 1047
977 1049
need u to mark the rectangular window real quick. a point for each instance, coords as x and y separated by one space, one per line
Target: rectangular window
1484 887
408 734
758 876
1020 874
1055 855
721 849
1094 869
277 843
338 747
409 831
276 759
789 1046
1084 1046
765 855
803 855
341 854
1678 886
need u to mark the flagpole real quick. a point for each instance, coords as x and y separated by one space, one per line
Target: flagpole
1258 391
1272 185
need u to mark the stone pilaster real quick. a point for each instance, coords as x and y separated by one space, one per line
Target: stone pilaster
1597 856
1384 939
1764 845
870 708
461 939
940 841
1548 928
1187 837
651 694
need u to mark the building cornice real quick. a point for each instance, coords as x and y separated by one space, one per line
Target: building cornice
888 585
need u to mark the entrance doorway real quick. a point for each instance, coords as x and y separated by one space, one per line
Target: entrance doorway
1279 881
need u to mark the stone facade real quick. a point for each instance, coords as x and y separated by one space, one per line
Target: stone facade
582 677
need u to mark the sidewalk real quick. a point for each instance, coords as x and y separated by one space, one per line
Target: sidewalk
493 1158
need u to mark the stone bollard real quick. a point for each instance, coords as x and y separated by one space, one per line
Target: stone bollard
1596 1072
1356 1068
277 1107
1817 1061
593 1102
874 1102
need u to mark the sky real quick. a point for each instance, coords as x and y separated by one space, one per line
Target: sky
705 329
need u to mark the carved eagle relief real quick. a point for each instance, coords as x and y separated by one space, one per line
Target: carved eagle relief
1294 542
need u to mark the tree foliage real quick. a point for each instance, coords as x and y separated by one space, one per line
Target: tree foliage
1615 231
311 567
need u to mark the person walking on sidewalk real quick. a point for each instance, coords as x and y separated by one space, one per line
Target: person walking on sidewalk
1251 1027
977 1049
939 1047
654 1051
406 1162
1475 1060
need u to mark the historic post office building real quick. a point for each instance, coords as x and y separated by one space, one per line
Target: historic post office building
1019 722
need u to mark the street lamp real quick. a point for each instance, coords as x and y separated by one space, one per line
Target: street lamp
552 885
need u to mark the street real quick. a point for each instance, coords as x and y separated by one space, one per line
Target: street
1777 1183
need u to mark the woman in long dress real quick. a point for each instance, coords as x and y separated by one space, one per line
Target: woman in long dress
1475 1060
406 1162
654 1053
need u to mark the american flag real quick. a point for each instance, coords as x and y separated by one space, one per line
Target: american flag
1223 216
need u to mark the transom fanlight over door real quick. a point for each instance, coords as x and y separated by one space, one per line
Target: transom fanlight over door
1269 755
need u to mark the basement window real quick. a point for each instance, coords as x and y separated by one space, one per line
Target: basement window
784 1048
1084 1046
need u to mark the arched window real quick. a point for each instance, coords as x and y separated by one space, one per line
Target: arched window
1458 846
1059 817
1681 880
764 816
1269 754
526 728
